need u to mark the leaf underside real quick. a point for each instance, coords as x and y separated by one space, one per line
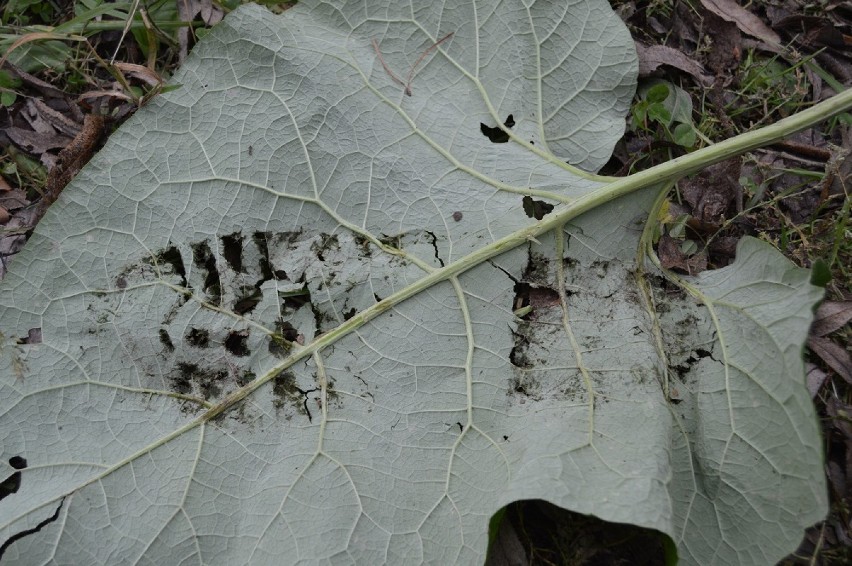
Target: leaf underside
225 375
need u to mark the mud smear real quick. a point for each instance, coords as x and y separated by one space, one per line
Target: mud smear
191 379
232 251
211 359
204 259
288 394
166 341
198 337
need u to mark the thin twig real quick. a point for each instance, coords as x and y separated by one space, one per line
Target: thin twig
385 65
420 59
407 83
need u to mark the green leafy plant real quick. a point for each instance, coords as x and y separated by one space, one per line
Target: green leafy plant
25 11
667 106
36 47
8 84
293 312
770 85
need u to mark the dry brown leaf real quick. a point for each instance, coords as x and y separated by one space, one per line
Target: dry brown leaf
838 169
731 11
831 316
140 72
47 89
35 120
837 476
105 93
711 192
835 356
13 236
186 14
815 379
672 257
507 550
57 120
726 48
210 14
13 199
840 413
187 10
653 56
34 142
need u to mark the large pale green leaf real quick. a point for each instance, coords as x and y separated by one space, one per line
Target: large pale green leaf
275 323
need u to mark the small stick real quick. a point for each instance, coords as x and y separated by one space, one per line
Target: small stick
385 65
407 83
420 59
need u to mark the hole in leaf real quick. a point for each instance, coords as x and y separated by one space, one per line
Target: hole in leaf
198 337
232 250
261 240
171 256
327 242
204 259
251 296
280 342
278 347
33 337
294 299
496 134
518 356
245 378
237 343
394 241
536 298
537 209
559 536
522 297
287 331
350 313
13 483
